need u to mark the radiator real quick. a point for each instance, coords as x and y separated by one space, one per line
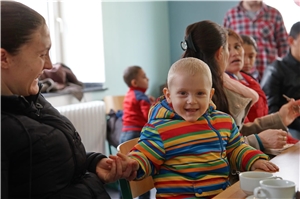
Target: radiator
89 119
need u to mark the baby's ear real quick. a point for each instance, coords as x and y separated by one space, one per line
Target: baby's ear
212 92
167 95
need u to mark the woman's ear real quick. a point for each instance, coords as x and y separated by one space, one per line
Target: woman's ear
219 54
4 59
167 95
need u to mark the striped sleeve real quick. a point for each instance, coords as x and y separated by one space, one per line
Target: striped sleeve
149 152
241 155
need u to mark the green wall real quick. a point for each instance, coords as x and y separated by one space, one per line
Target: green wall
135 33
148 33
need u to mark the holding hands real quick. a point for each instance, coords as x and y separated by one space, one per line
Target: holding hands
116 167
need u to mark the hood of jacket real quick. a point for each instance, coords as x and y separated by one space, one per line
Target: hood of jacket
163 110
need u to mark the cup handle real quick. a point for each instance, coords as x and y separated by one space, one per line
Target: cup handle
276 177
259 192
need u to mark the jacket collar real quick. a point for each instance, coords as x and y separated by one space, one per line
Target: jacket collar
291 60
138 88
18 102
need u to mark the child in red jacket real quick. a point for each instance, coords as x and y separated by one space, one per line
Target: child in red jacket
136 105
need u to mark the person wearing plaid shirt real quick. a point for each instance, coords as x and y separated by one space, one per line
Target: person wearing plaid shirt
265 24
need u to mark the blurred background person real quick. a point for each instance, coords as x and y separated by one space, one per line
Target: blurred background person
265 24
282 77
235 64
250 52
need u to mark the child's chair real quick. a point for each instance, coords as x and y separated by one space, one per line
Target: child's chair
133 189
112 103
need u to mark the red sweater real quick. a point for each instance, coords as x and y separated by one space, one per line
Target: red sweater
260 108
136 107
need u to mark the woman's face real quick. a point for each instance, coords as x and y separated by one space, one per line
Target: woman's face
249 57
26 67
236 55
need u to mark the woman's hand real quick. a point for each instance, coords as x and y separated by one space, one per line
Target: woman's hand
117 167
289 112
264 165
109 170
273 138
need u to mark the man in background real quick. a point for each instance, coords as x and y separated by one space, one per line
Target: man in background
282 77
265 24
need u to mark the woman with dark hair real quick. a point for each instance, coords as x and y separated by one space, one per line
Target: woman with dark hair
42 155
208 41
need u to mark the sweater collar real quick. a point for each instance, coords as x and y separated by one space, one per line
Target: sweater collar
138 88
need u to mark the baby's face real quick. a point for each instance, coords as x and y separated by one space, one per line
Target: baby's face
189 95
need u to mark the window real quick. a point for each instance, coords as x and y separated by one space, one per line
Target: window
76 34
288 9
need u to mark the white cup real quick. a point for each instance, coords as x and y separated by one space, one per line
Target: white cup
249 180
274 188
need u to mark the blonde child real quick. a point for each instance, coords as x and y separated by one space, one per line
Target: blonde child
187 145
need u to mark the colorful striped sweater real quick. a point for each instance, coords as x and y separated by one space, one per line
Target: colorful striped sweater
191 160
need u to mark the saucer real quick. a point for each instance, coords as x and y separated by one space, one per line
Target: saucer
251 197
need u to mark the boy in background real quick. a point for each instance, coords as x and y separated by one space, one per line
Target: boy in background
136 106
187 145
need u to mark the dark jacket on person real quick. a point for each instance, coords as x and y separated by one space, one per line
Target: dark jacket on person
282 77
42 155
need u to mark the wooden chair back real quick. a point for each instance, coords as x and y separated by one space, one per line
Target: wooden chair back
133 189
114 102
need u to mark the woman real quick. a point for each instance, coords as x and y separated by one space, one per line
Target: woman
264 132
233 69
41 152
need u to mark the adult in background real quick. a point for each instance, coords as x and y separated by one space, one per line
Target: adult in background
265 24
42 155
282 77
233 69
265 132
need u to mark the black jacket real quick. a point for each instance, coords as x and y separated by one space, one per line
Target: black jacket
42 155
282 77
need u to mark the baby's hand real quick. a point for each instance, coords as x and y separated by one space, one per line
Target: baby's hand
264 165
129 166
152 99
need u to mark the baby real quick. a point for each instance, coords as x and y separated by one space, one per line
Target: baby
188 146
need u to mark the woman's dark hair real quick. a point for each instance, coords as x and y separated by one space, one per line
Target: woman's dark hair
247 39
18 22
131 73
207 38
